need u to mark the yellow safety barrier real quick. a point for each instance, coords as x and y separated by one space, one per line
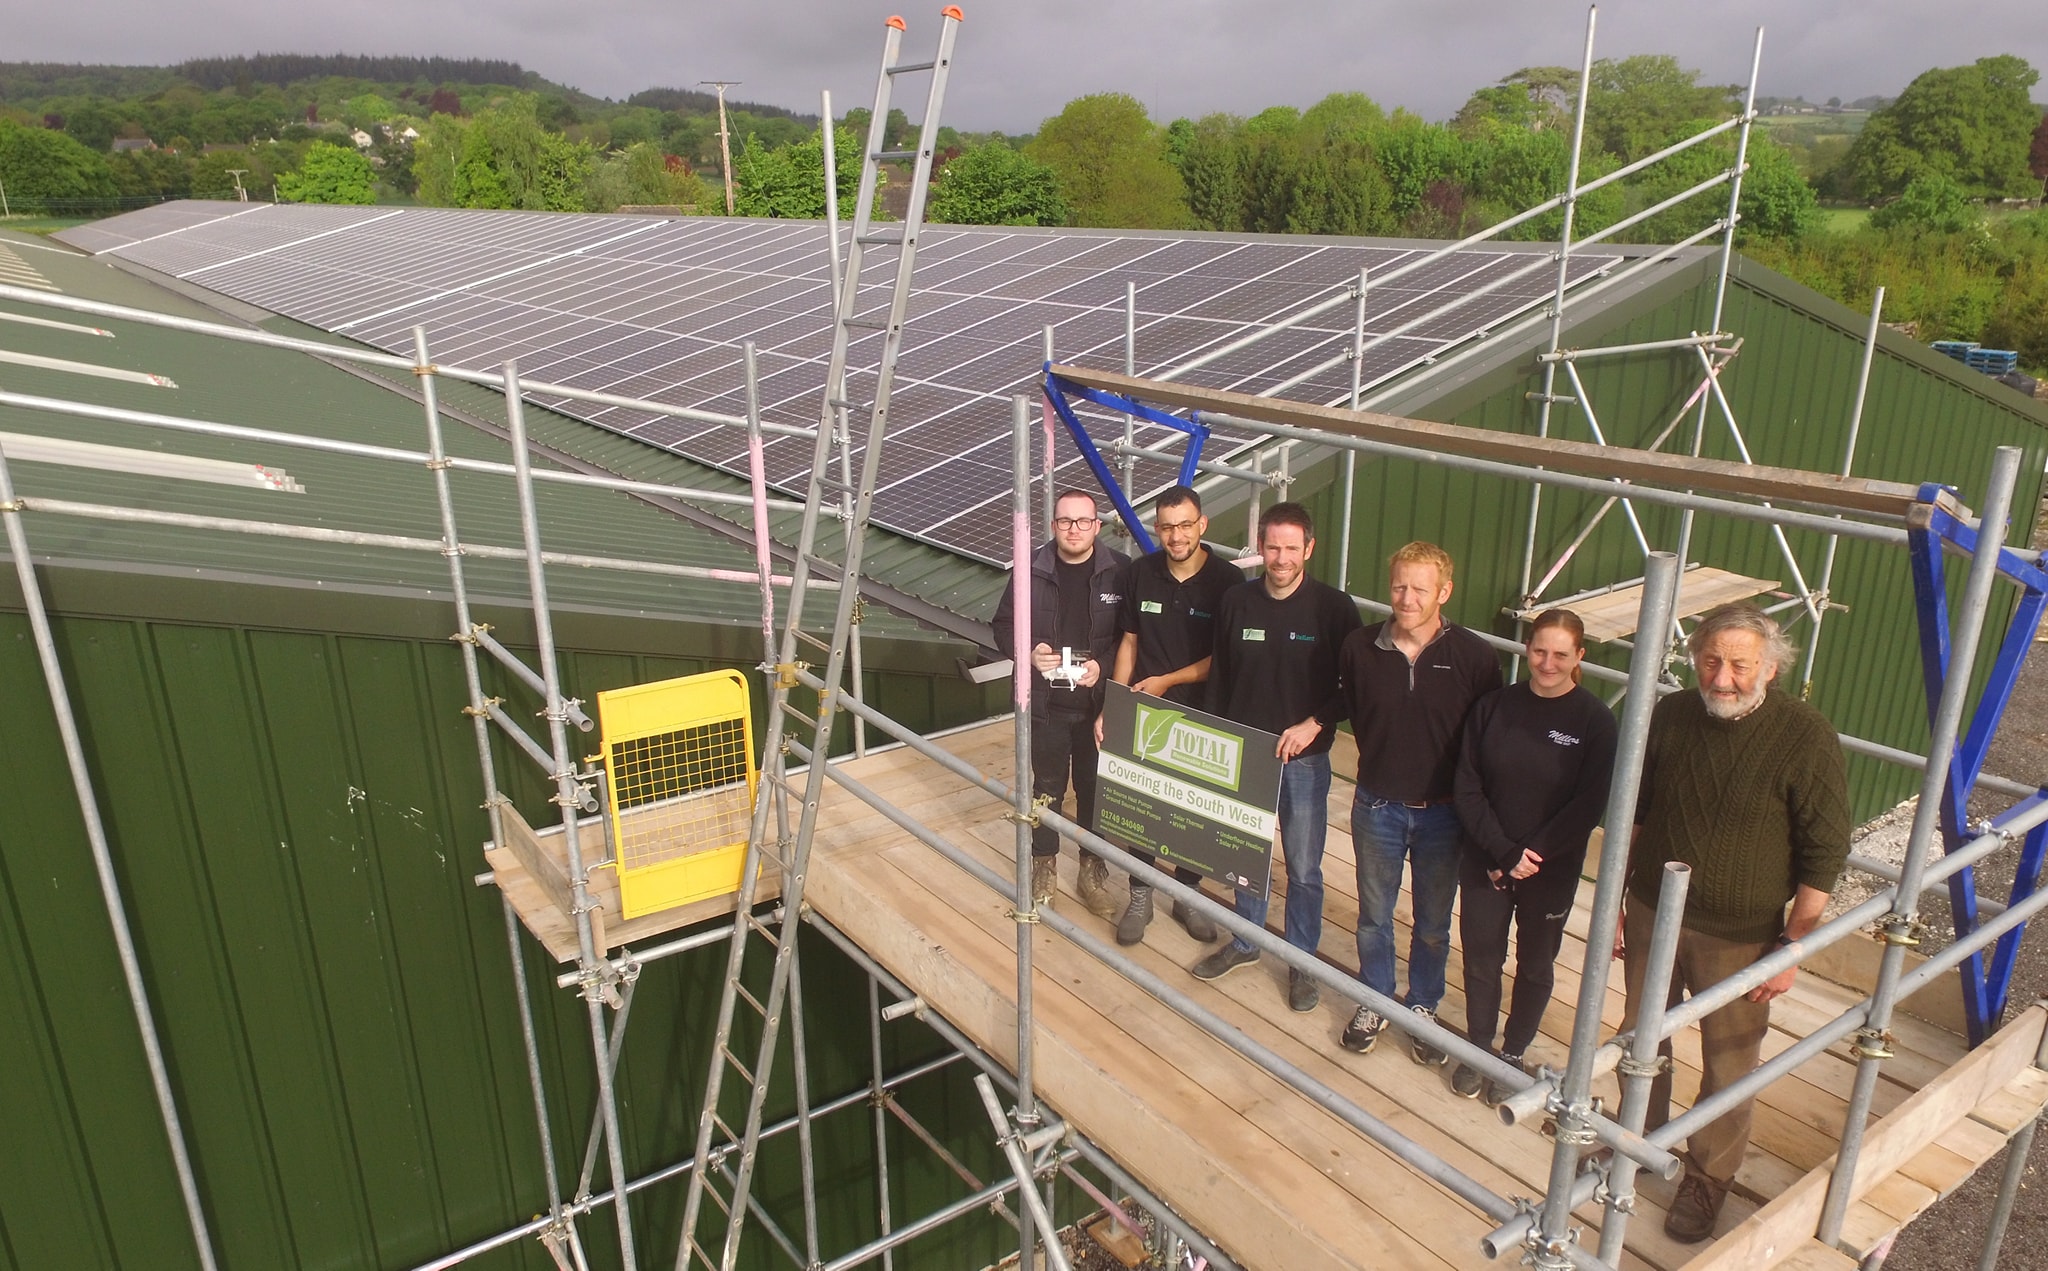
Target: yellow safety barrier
680 774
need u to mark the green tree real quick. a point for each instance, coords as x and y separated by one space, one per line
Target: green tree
158 174
1776 200
789 180
1211 166
1933 203
642 174
1112 166
41 168
367 110
329 174
1530 100
502 157
1969 123
995 185
1637 103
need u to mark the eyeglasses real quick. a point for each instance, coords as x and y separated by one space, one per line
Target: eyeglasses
1175 527
1075 522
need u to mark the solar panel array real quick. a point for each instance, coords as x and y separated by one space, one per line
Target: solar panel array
658 309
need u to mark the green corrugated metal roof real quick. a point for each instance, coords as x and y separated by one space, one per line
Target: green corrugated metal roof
249 385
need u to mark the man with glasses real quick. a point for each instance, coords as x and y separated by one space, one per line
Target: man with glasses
1166 629
1076 586
1275 668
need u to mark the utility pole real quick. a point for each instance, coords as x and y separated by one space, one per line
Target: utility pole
241 195
724 134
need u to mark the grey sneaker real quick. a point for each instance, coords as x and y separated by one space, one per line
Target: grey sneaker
1420 1050
1363 1030
1092 886
1044 878
1196 922
1495 1093
1302 993
1223 961
1466 1082
1130 929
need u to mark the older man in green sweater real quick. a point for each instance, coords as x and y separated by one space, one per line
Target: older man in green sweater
1745 783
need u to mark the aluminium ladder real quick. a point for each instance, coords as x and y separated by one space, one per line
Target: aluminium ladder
830 492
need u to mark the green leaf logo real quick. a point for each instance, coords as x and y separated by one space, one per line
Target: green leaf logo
1154 730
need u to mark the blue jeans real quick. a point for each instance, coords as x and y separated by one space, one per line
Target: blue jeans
1304 824
1383 835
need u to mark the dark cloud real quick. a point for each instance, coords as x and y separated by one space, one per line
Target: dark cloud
1018 62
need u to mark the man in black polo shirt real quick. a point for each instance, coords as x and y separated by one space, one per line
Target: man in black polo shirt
1076 584
1166 631
1275 668
1409 682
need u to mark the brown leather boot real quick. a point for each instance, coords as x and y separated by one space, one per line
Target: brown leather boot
1092 886
1696 1209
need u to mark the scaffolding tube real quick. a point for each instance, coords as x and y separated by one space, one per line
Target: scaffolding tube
1643 1062
396 542
597 1200
569 796
1574 1111
1827 565
103 866
965 1047
351 353
1417 1157
367 450
1968 626
1024 904
1869 531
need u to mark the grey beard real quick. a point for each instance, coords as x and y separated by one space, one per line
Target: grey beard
1720 708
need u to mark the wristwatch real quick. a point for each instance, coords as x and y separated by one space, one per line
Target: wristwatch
1783 940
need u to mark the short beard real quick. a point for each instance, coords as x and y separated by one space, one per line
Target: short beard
1721 708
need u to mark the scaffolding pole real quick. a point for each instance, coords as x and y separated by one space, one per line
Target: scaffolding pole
1898 932
1827 566
103 866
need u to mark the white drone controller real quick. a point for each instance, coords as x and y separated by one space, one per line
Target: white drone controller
1068 672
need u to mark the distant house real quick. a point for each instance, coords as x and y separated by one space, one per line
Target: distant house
361 138
129 145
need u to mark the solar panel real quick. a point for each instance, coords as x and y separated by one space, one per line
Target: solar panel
658 308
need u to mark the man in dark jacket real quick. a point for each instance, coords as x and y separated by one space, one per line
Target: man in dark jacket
1076 588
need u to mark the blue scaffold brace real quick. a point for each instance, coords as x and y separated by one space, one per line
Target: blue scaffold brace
1985 988
1058 393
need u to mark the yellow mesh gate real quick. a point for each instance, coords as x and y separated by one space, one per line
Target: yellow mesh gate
679 787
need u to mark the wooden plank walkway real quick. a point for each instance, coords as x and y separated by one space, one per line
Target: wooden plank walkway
1275 1180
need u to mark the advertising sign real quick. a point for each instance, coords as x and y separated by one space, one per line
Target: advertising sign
1187 786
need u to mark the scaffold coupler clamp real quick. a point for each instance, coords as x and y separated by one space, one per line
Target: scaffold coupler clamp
482 708
1873 1043
1039 803
1902 929
786 672
1629 1066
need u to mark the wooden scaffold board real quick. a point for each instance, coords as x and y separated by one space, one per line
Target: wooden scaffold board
1273 1178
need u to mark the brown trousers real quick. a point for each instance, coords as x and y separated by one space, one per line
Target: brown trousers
1731 1039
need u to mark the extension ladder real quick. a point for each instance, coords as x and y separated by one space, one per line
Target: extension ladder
833 492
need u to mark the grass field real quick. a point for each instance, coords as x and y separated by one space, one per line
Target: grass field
41 224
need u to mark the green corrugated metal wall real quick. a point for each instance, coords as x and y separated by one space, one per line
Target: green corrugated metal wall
295 818
1791 388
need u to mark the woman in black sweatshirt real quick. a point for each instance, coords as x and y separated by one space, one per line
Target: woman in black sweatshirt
1532 784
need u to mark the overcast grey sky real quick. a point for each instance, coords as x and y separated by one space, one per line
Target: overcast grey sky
1019 61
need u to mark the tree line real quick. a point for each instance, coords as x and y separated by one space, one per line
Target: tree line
1927 160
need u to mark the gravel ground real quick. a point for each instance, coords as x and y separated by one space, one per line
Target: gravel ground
1950 1236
